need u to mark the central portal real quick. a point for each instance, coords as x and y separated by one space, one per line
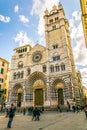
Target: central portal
39 97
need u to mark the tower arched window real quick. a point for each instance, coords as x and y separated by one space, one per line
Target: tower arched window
56 19
44 68
57 68
62 66
51 68
18 75
22 74
14 75
28 71
20 64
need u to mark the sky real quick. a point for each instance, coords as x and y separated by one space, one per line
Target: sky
21 22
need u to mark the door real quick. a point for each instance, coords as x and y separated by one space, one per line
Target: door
19 99
60 96
39 97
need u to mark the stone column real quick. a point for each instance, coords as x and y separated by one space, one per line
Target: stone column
24 95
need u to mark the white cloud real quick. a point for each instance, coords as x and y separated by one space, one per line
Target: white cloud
23 19
22 38
16 8
4 19
76 15
38 9
80 51
84 76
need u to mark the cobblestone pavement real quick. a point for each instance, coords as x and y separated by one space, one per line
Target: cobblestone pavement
48 121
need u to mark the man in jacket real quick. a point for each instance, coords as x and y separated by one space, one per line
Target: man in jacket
11 116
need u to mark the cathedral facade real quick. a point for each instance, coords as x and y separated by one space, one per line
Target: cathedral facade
45 76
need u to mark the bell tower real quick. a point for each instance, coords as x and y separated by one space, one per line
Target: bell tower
58 36
60 54
55 24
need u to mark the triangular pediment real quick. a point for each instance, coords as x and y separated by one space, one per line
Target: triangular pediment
38 47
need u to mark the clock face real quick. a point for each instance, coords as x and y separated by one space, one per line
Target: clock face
37 57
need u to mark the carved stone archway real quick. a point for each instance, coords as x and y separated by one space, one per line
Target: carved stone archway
17 94
58 85
36 82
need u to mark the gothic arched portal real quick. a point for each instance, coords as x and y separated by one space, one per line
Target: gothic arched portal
58 86
17 94
37 83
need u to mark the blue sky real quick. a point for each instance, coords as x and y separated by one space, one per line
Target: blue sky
21 22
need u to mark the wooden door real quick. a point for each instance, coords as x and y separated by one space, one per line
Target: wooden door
38 97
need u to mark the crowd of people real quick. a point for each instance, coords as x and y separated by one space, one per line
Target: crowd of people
36 111
10 113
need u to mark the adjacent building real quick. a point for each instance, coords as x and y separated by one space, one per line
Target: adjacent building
46 76
4 68
84 17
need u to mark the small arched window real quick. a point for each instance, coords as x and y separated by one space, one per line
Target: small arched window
22 74
14 75
57 68
44 68
51 68
18 75
62 66
28 71
20 64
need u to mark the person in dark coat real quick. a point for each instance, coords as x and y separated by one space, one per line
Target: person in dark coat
34 114
24 111
37 114
11 116
85 110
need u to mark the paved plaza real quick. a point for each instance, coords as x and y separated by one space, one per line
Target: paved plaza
48 121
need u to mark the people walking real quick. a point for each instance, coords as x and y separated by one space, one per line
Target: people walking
85 110
11 116
34 113
24 111
37 114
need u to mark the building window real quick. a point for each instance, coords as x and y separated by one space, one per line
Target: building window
51 21
18 75
20 64
14 76
29 96
54 27
86 4
0 86
20 56
62 67
55 46
28 71
56 19
52 68
1 80
25 49
44 68
2 70
55 58
57 68
22 74
3 63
